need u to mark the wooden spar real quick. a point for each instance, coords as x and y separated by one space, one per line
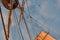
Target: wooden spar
9 24
9 19
3 24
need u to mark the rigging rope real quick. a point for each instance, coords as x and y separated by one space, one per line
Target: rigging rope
27 28
22 15
45 26
28 11
19 7
19 26
42 26
22 10
30 18
40 23
15 21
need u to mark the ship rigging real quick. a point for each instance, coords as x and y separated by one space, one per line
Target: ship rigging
11 5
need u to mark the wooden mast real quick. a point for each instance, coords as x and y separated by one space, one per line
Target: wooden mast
9 19
3 24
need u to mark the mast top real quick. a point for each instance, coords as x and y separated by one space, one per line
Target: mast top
6 4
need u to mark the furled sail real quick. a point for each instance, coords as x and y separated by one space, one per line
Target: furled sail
44 36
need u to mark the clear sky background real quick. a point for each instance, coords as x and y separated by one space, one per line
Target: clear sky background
47 12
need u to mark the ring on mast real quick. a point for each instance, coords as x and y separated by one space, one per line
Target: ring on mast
6 4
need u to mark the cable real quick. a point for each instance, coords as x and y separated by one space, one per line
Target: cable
28 10
19 25
15 21
33 29
19 7
30 18
22 15
22 11
27 28
20 28
47 28
42 26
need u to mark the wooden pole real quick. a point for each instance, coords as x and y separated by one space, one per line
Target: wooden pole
3 24
9 19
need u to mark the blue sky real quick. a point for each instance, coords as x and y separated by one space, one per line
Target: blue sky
47 12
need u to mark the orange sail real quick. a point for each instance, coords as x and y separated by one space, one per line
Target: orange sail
44 36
